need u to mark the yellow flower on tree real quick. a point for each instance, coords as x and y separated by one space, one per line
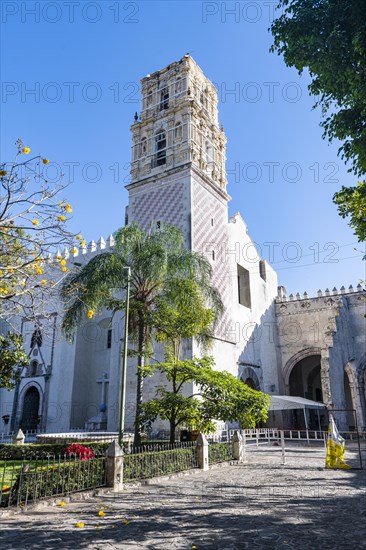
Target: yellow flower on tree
3 173
63 262
39 271
35 222
44 281
79 237
26 150
83 242
61 218
90 313
68 208
74 250
45 161
64 269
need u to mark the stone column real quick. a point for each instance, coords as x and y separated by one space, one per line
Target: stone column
361 405
202 452
114 466
325 380
19 438
237 446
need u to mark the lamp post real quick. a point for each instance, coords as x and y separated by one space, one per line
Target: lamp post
124 360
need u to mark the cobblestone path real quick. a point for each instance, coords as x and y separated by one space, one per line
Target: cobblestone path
232 507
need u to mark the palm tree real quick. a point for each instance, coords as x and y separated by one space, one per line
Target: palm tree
159 261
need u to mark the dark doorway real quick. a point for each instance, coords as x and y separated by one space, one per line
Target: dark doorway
305 382
29 420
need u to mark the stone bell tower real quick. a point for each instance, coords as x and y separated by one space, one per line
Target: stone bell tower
178 171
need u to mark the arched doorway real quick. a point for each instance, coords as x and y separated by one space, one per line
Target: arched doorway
250 382
30 411
304 381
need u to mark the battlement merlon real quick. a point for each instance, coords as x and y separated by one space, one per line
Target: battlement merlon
282 294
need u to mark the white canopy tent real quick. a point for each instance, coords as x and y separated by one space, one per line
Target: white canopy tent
288 402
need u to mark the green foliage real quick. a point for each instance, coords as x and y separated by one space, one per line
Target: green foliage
160 266
12 355
41 481
219 452
148 465
351 202
328 37
219 396
27 452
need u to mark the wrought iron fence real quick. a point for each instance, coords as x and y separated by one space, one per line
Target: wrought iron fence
151 461
30 480
220 452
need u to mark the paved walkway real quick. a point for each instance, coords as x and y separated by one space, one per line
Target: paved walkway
231 507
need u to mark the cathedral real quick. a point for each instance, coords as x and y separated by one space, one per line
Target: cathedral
312 347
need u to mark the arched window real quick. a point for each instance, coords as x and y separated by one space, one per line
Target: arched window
160 148
143 147
32 369
178 131
209 152
149 98
164 99
178 85
203 98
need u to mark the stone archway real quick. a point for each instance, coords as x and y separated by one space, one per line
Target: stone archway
304 380
250 378
299 356
30 410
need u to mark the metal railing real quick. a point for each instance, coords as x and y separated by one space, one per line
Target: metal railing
220 452
142 463
30 480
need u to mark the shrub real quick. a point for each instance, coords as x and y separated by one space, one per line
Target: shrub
82 452
57 478
219 452
159 463
26 452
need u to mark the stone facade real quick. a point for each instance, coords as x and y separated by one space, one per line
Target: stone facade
312 347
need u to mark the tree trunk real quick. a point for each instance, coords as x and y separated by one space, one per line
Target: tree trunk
140 382
172 431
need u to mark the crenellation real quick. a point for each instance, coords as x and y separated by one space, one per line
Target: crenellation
101 243
281 297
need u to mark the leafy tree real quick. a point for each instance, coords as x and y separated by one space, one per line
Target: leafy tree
217 395
351 203
12 355
159 262
328 37
32 228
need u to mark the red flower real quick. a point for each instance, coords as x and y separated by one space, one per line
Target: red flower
84 453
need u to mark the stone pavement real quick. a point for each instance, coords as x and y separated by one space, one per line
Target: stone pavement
232 507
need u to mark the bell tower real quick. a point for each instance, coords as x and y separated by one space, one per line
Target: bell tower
178 173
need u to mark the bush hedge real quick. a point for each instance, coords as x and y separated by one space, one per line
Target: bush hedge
219 452
153 464
20 452
57 479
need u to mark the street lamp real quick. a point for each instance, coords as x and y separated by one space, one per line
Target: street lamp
127 270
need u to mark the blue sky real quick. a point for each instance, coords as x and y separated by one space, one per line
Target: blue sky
84 61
